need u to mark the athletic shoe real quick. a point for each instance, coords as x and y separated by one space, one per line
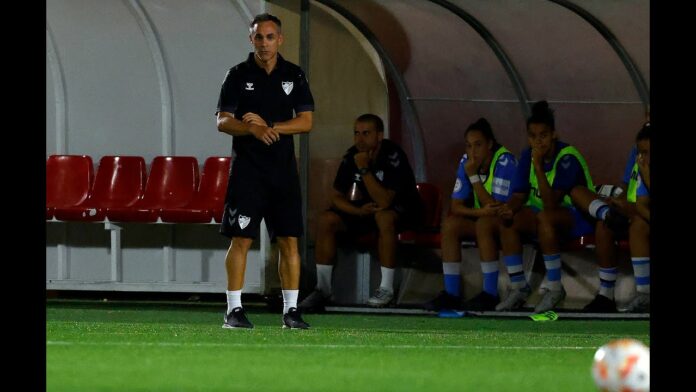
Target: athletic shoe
600 304
482 302
515 299
314 302
444 300
381 298
639 304
237 319
550 299
293 320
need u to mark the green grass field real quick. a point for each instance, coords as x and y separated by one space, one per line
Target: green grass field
127 346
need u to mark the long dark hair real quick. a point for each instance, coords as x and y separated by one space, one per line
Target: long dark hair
482 125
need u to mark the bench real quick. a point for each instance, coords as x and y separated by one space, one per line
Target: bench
151 208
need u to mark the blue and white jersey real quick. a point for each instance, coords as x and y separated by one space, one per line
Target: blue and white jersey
569 172
503 172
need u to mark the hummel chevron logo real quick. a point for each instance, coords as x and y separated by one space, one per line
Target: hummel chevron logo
231 216
565 162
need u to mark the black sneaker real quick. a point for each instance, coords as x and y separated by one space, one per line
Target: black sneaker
600 304
237 319
316 301
616 221
293 320
482 302
444 300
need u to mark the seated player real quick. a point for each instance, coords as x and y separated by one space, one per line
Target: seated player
540 206
482 185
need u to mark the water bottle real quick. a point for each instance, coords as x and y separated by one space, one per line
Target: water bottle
354 193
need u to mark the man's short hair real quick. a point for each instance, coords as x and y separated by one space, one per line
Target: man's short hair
265 17
373 118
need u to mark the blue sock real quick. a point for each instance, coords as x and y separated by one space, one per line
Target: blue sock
515 271
490 277
453 280
607 281
641 271
452 284
602 212
553 270
598 209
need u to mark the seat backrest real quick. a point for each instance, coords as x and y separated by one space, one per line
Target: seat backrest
120 181
432 199
172 182
68 179
214 178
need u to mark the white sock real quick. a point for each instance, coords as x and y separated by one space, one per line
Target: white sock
289 299
607 281
324 272
641 273
387 279
598 208
234 300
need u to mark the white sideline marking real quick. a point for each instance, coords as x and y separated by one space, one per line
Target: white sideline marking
339 346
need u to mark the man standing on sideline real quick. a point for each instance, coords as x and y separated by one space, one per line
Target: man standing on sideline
256 105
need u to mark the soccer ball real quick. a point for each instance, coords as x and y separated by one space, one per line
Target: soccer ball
623 366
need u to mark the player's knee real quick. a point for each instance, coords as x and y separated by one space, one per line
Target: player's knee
328 222
241 243
386 220
486 225
639 226
450 227
287 246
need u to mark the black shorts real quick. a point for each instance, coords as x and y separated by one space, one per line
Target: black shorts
359 225
252 196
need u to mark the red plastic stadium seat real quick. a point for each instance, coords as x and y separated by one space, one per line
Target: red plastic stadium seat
432 198
119 182
209 201
430 236
68 181
172 183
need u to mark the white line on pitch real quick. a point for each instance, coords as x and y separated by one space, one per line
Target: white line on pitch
331 346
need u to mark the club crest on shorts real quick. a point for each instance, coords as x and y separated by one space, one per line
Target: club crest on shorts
243 221
287 87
